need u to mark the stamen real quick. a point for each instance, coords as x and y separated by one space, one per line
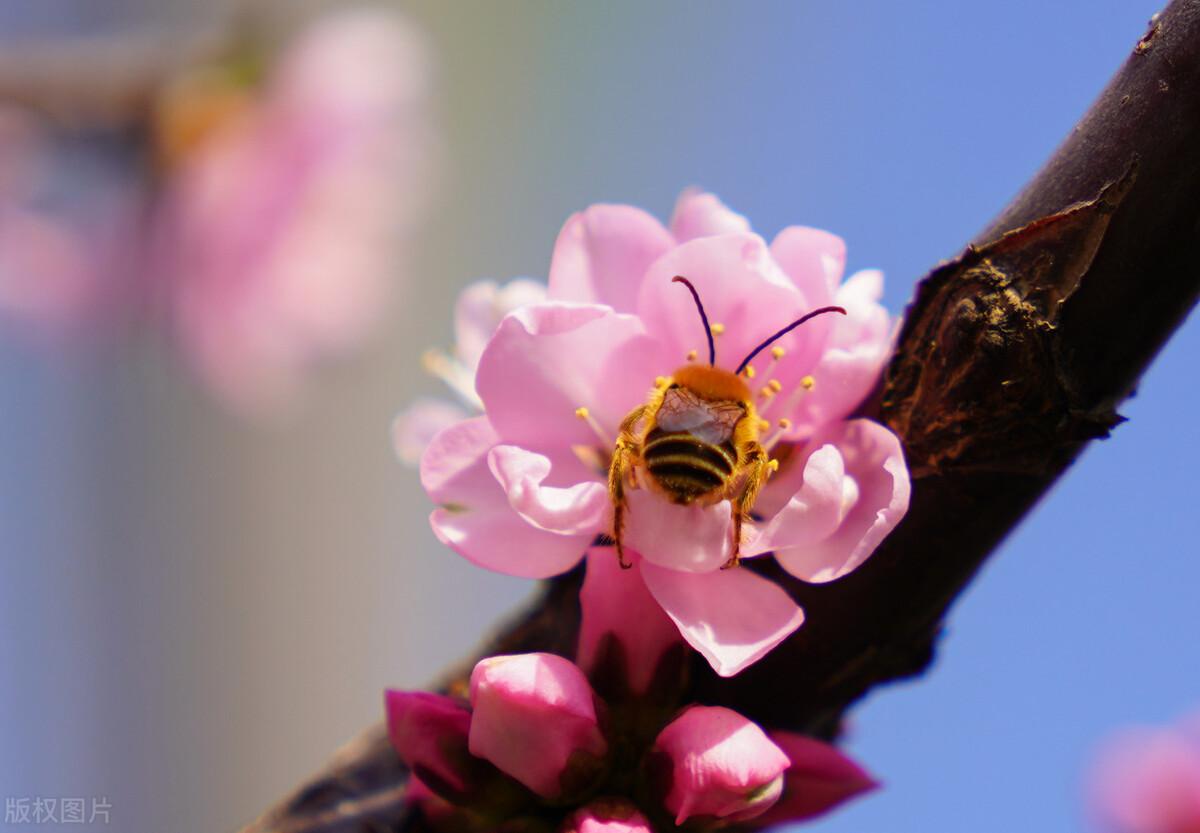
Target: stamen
807 382
763 425
777 353
586 415
454 373
717 329
660 381
775 385
691 356
785 423
749 371
772 467
765 392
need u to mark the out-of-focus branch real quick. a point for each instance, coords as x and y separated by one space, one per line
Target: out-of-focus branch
1013 356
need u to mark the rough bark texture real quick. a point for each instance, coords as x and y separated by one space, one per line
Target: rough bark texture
1012 357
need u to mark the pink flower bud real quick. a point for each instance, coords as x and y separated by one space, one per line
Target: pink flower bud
819 779
721 765
535 718
607 815
429 731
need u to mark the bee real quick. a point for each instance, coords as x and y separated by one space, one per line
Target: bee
696 438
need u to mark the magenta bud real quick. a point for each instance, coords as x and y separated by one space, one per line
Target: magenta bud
820 778
429 731
534 717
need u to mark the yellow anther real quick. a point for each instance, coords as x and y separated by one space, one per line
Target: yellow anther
660 381
773 466
583 413
777 353
775 385
717 329
785 423
763 425
807 382
691 356
749 371
766 391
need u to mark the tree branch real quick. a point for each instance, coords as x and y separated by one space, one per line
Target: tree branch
1012 357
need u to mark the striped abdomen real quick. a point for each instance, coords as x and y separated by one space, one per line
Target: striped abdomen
685 466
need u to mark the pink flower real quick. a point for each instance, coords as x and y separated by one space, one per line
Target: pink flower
612 815
534 716
722 766
480 309
1147 780
523 488
280 228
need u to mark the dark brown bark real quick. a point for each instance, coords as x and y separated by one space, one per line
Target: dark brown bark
1013 356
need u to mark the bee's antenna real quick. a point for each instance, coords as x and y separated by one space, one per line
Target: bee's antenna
781 333
712 347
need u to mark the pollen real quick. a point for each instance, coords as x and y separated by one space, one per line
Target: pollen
691 356
763 425
777 353
749 371
773 466
583 413
785 423
660 381
775 385
807 382
717 329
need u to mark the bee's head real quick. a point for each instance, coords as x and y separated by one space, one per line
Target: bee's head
712 368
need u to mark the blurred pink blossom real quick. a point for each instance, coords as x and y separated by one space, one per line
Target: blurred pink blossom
523 488
280 228
260 216
1147 780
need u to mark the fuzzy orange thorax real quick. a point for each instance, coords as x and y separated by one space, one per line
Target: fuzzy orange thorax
712 383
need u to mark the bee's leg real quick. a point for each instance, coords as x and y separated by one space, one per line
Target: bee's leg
624 456
757 468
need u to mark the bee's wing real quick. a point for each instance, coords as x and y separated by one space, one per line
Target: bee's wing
710 422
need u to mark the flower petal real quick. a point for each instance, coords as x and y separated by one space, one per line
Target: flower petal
602 254
477 520
480 309
814 511
582 509
693 539
732 617
416 426
699 214
874 462
616 602
742 289
813 259
859 346
548 360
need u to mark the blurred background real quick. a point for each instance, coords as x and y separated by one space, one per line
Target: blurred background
203 591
